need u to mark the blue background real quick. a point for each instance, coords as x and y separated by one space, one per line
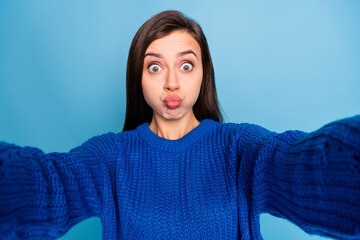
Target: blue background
280 64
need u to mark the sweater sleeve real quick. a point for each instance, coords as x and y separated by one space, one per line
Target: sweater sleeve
44 195
310 179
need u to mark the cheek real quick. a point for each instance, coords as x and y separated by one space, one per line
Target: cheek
146 91
196 86
149 92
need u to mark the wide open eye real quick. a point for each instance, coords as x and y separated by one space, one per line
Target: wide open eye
187 67
154 68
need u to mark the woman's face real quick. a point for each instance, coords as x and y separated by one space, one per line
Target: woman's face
172 75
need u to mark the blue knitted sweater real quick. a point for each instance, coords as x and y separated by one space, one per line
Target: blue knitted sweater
211 184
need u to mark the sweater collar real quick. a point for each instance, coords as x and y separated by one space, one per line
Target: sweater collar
175 145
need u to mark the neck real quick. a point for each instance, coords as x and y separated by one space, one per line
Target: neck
173 129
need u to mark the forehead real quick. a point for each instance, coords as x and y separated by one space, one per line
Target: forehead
175 41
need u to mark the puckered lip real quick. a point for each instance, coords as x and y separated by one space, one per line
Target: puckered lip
172 97
172 101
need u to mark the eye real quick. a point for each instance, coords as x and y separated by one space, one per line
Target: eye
187 67
154 68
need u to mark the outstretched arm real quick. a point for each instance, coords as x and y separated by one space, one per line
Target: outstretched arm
312 179
44 195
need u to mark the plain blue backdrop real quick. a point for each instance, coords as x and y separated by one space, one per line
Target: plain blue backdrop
280 64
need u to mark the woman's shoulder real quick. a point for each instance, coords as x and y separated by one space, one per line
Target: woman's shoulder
106 142
238 128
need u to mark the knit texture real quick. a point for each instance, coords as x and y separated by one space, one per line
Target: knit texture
211 184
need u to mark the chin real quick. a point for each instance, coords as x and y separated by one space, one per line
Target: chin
173 117
174 114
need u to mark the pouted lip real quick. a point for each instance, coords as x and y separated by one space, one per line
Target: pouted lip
172 101
172 97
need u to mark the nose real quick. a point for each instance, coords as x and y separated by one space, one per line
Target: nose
171 83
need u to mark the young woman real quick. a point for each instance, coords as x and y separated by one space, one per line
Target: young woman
176 171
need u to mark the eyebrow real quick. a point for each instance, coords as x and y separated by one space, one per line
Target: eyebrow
179 54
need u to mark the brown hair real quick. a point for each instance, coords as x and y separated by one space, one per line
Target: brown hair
160 25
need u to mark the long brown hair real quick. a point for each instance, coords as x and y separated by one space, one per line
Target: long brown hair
160 25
